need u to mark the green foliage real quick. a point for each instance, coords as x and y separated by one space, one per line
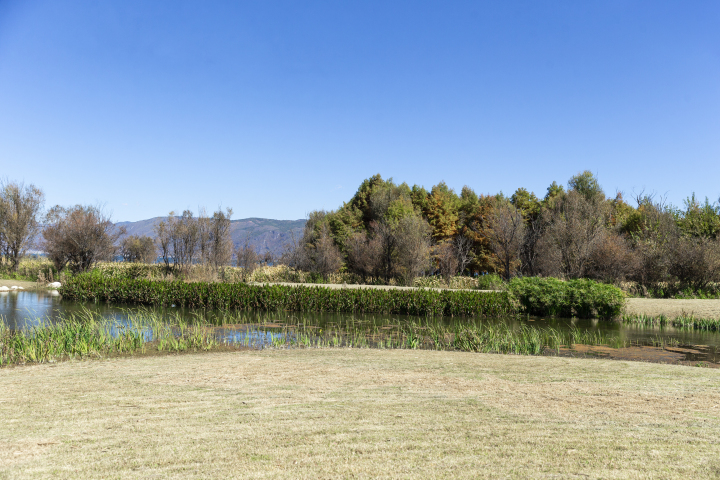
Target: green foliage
690 322
490 281
586 185
526 202
289 298
699 219
582 298
89 334
554 191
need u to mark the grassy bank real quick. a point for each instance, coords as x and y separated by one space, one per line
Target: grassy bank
682 321
355 413
239 296
89 334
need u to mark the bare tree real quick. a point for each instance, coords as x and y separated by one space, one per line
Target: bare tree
696 261
203 224
535 227
363 254
268 258
20 206
576 227
185 237
138 249
163 241
219 243
384 232
446 259
325 255
247 259
78 237
612 259
463 248
412 234
506 229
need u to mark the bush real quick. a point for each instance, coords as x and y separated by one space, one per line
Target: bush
582 298
95 287
490 281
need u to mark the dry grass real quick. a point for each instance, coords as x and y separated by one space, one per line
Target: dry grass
673 307
358 414
19 283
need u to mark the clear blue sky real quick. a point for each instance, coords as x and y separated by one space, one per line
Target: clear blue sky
279 108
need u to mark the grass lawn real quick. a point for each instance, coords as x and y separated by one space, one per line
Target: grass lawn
349 413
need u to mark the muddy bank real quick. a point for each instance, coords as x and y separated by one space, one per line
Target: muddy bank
700 355
673 307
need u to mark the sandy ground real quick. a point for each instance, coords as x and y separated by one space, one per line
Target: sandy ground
673 307
358 414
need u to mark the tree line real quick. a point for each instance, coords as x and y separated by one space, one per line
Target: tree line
77 237
392 231
388 230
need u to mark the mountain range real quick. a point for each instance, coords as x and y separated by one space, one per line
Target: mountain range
262 233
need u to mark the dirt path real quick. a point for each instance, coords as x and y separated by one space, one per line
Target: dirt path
673 307
336 286
356 413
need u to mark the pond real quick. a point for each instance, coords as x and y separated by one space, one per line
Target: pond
24 309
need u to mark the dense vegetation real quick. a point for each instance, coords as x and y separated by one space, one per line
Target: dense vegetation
388 230
575 298
241 296
534 296
396 234
90 334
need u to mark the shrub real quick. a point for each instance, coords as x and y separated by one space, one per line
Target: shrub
583 298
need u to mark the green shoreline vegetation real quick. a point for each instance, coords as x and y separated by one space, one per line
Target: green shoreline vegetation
240 296
89 335
535 296
681 321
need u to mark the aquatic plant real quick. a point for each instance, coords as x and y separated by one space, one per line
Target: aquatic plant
238 296
687 321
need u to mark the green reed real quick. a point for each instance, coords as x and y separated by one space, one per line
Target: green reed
240 296
89 334
689 322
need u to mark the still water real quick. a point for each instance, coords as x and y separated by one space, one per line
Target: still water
25 309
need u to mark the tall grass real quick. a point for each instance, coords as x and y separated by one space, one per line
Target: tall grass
238 296
690 322
89 334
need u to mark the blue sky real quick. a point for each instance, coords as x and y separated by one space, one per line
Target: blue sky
279 108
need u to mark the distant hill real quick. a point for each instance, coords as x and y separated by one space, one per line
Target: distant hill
263 233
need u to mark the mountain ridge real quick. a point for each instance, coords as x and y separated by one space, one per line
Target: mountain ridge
265 234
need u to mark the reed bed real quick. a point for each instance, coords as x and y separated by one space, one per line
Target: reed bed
240 296
690 322
88 334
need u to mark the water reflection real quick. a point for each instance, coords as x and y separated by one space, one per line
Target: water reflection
24 309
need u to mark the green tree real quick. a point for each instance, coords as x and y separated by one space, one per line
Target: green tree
586 185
